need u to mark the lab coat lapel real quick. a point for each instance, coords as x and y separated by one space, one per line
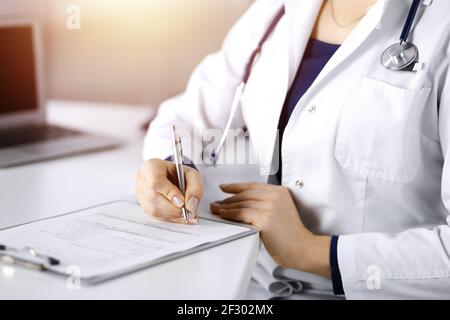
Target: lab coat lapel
301 17
356 38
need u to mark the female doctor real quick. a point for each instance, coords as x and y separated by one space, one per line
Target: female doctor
364 131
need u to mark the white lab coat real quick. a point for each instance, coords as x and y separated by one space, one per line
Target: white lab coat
373 151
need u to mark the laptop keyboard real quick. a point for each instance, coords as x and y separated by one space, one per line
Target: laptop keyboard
32 133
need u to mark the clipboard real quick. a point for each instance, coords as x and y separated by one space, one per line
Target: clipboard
117 235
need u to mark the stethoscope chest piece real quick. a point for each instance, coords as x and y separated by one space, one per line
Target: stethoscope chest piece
404 54
400 56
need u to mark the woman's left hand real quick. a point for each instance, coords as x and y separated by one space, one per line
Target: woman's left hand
272 210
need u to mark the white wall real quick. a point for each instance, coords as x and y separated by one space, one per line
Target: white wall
20 7
133 51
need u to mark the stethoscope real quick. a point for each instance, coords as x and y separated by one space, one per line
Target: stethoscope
401 56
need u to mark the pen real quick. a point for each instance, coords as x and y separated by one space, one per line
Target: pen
178 155
52 261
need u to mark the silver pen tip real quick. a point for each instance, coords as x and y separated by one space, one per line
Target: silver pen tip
185 214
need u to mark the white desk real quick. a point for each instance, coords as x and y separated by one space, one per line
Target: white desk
50 188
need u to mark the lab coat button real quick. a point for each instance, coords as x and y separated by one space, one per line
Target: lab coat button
312 109
300 184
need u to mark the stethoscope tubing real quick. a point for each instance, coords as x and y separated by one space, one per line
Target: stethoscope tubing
409 21
241 87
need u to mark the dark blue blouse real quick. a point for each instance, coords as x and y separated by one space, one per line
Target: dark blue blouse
316 56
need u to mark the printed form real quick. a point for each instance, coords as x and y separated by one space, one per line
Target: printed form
114 238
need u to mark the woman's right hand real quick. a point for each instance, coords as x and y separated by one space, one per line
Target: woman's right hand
159 196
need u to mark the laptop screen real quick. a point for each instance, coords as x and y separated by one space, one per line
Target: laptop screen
17 70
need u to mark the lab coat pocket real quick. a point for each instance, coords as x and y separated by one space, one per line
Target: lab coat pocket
379 130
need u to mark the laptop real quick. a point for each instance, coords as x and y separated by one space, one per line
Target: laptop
25 136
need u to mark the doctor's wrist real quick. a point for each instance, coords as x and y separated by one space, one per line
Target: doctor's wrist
314 257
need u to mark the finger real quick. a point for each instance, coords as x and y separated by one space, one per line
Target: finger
240 187
168 190
148 208
147 205
194 188
154 177
249 204
240 215
257 195
161 213
158 200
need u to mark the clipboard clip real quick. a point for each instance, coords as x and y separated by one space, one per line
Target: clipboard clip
27 257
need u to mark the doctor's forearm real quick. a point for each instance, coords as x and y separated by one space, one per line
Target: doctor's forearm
314 256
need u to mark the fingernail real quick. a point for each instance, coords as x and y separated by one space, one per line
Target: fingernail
192 204
193 220
177 201
223 185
